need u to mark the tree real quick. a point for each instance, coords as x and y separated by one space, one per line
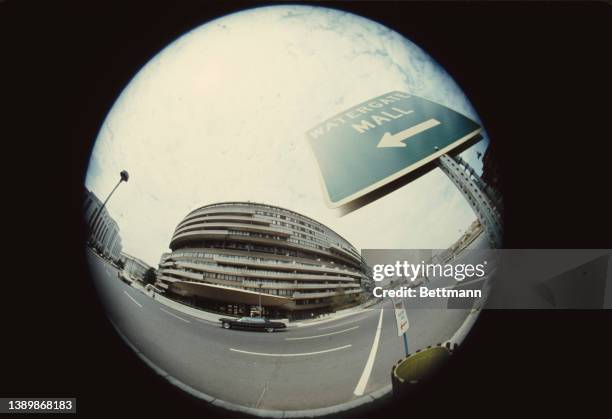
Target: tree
339 300
149 276
361 298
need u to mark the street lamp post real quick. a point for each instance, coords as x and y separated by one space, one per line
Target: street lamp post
124 176
260 285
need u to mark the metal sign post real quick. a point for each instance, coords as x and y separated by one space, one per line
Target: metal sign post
401 319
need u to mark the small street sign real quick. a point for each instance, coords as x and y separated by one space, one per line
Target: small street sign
400 316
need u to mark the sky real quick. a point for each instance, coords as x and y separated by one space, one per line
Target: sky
221 114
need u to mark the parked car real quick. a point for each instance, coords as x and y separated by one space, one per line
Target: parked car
122 276
252 323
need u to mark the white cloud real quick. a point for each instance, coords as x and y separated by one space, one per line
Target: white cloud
221 115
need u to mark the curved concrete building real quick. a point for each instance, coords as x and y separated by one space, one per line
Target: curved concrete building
231 257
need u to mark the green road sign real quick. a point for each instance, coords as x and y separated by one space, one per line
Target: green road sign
383 139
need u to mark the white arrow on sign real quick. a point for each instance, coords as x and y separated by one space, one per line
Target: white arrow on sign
396 140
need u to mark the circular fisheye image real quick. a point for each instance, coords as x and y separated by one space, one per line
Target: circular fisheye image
291 211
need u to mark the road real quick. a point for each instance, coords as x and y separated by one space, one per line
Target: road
301 368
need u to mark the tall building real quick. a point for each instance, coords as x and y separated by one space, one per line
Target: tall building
473 188
133 266
164 257
229 257
491 175
105 233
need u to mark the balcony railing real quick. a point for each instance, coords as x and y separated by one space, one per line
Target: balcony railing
260 273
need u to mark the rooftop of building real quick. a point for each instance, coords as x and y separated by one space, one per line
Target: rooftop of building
275 207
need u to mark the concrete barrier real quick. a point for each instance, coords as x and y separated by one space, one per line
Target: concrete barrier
418 367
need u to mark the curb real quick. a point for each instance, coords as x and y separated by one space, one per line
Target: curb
290 325
465 328
317 322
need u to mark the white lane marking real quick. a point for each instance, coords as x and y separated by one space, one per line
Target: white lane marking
132 298
261 396
367 370
302 354
326 334
344 323
172 314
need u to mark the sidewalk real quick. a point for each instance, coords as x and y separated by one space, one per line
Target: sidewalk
331 317
200 314
214 317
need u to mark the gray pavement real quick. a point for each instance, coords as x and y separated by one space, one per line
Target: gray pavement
310 367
